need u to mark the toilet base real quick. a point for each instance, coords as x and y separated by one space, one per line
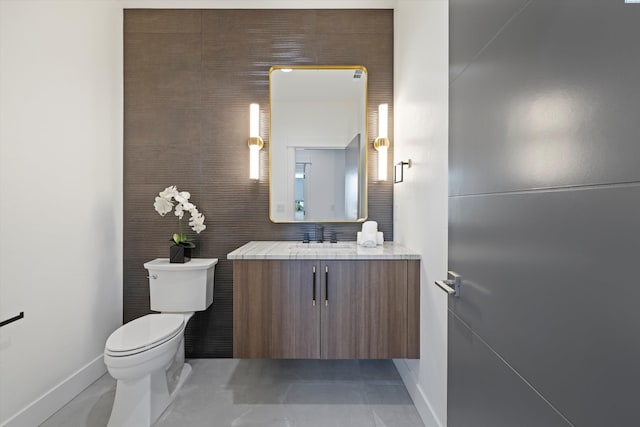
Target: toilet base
140 403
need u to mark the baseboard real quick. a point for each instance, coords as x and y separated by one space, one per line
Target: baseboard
50 402
426 412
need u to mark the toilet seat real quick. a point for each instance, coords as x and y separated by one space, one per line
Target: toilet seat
144 333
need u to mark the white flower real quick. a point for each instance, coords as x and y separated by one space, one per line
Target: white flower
182 197
196 222
168 192
198 227
162 205
189 207
179 211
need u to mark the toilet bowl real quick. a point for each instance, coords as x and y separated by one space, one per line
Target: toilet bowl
146 355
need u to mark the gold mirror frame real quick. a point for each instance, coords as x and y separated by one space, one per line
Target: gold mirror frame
364 173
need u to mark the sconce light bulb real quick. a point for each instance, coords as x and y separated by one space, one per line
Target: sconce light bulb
254 162
254 120
383 121
382 163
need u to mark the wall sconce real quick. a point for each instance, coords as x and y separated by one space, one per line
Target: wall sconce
255 142
382 141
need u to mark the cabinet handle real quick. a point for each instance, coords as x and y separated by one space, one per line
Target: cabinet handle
314 285
326 285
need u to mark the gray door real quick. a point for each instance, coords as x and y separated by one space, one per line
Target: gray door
544 205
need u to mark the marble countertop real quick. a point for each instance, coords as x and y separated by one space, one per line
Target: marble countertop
340 250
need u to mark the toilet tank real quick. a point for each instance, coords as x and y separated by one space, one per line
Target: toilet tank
181 288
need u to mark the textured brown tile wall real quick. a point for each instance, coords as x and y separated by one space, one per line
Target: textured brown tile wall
189 78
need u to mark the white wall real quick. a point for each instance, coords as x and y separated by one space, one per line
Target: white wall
420 202
325 183
61 199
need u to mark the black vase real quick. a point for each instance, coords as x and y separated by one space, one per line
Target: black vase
179 254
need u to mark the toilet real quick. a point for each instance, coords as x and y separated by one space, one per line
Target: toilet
146 355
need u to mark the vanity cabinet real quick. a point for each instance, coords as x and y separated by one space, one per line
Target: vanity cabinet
329 309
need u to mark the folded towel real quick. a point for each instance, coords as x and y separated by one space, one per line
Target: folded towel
379 238
369 240
370 227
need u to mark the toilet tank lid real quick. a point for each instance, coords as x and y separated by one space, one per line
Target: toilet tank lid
194 264
145 331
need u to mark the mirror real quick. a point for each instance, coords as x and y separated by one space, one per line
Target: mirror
318 144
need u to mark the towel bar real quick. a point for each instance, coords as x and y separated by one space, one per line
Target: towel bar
13 319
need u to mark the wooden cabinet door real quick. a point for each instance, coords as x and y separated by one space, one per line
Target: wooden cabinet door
300 327
342 319
385 315
273 312
364 310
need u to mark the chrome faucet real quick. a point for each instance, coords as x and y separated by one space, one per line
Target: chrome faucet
319 233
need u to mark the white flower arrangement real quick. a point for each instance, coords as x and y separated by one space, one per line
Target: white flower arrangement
164 204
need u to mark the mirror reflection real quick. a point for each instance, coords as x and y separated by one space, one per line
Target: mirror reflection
318 144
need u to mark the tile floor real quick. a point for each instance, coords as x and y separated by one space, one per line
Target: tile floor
267 393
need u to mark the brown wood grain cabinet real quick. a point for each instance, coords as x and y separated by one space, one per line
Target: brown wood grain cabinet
273 312
351 309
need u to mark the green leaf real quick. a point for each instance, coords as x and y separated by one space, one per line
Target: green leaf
176 238
188 244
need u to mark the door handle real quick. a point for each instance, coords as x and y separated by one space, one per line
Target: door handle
452 285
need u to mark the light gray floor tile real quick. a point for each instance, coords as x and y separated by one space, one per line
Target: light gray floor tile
267 393
262 394
263 416
379 372
326 394
91 408
331 416
217 415
396 416
263 371
384 394
327 371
